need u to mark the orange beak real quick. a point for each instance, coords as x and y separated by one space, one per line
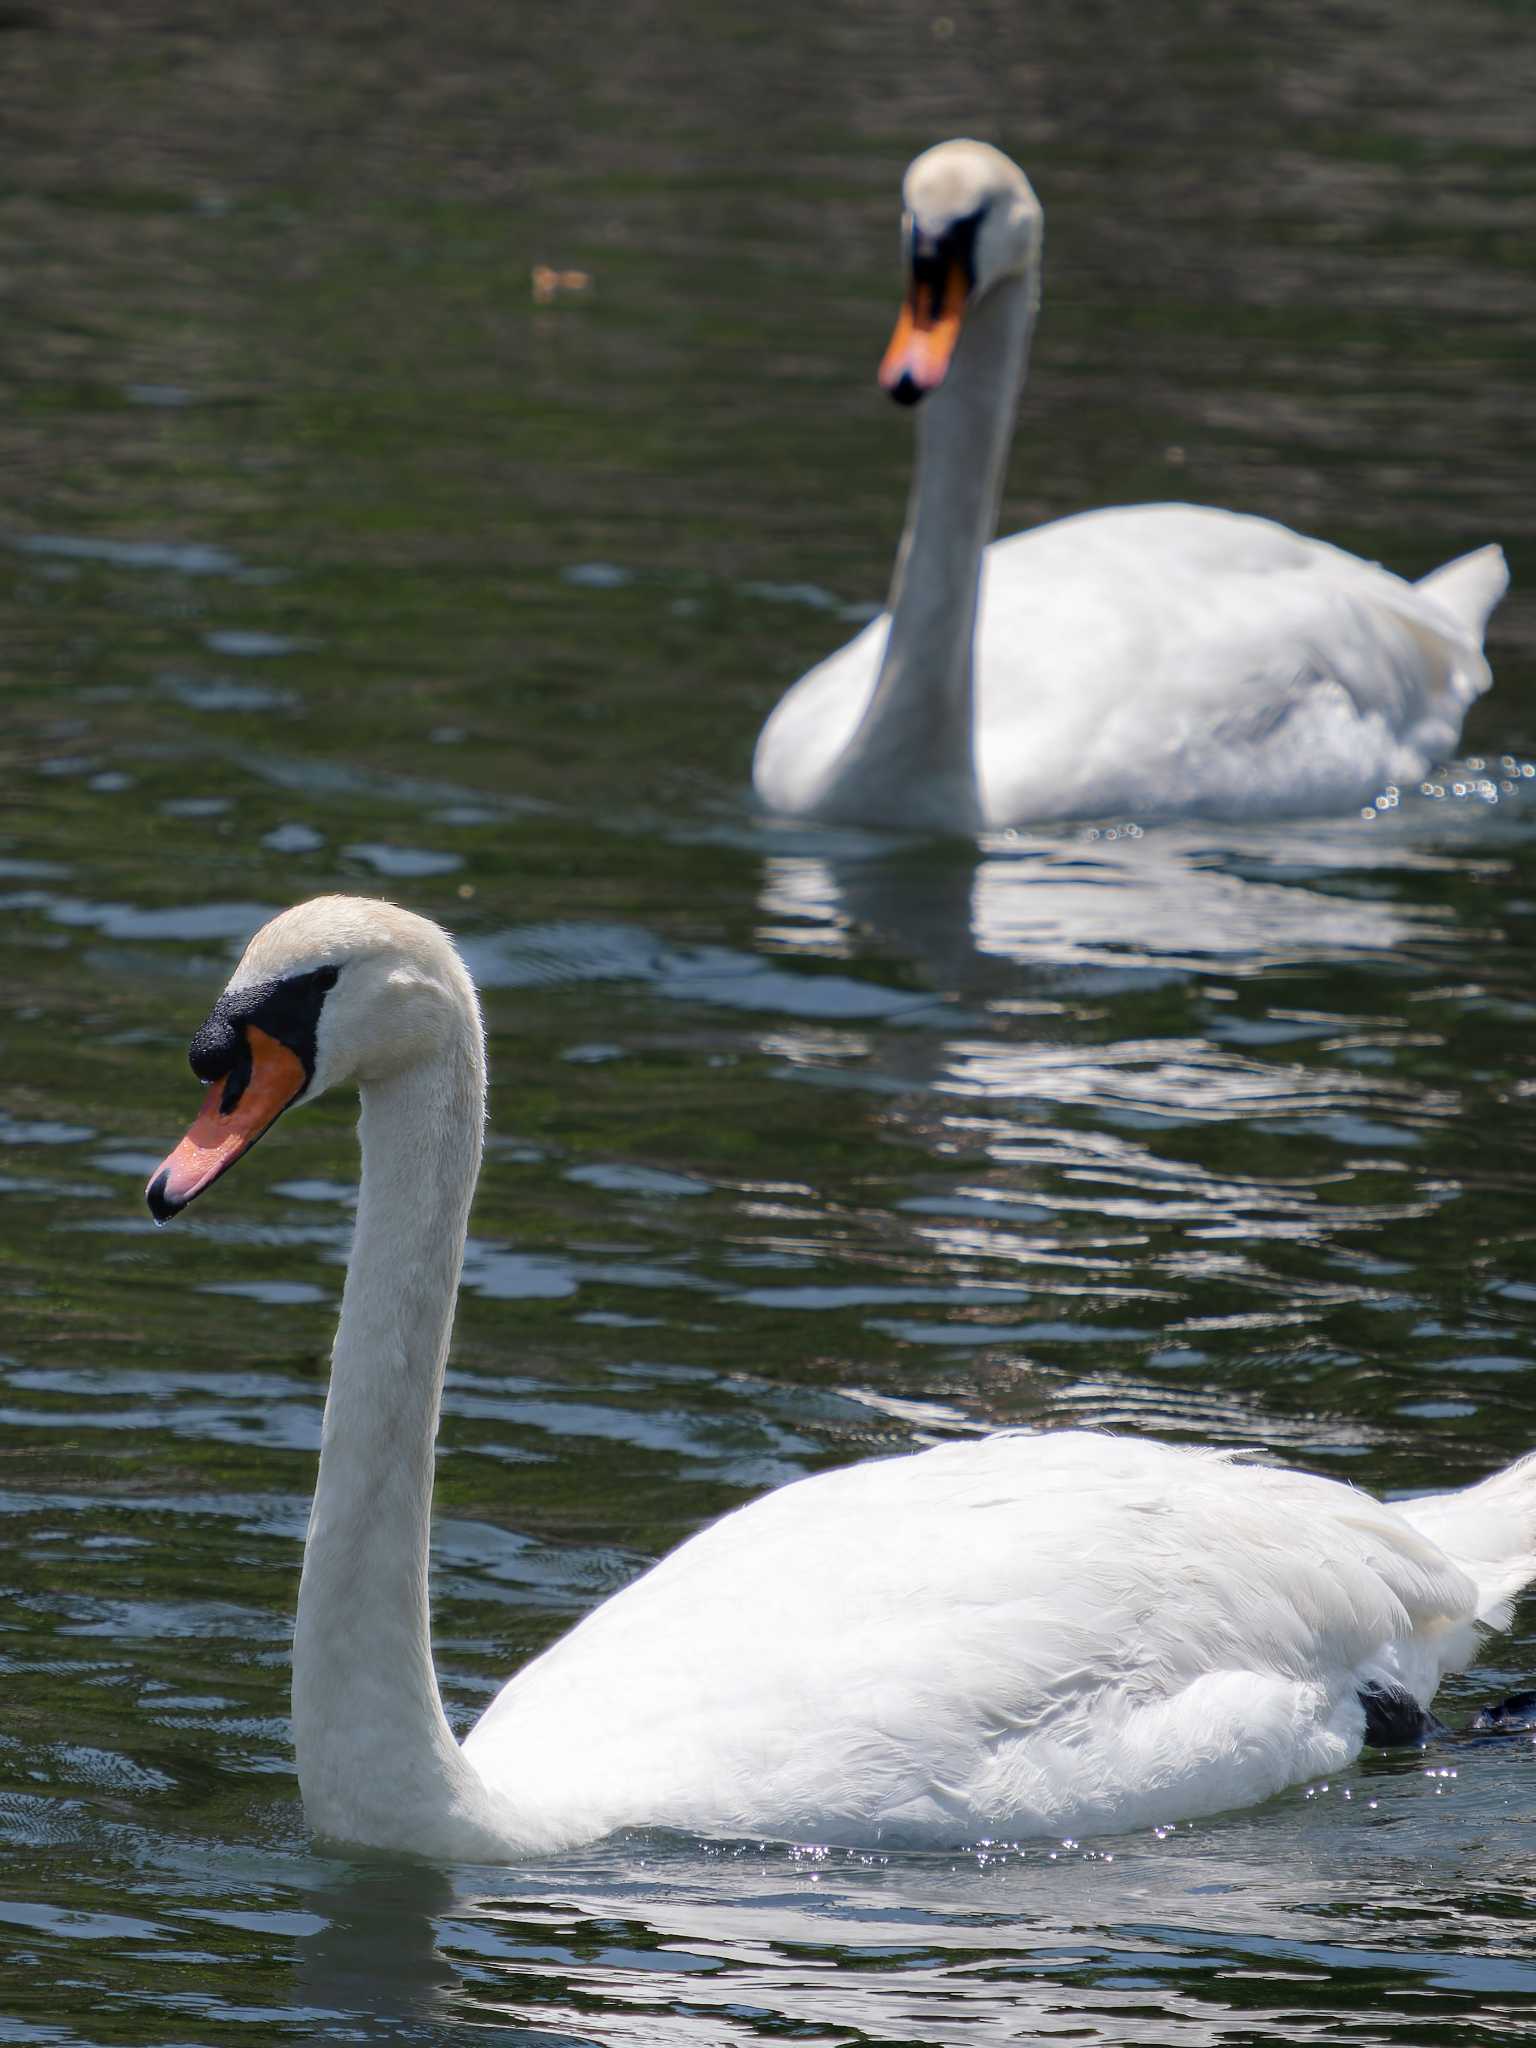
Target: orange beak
925 337
219 1136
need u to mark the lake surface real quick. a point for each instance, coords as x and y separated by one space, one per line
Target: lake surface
334 559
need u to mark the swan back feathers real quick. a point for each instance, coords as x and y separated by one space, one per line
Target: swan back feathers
1017 1633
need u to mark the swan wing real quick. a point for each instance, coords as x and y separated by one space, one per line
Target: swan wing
812 726
1163 660
1026 1634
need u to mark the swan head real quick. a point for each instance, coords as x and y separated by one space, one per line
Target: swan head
338 989
970 220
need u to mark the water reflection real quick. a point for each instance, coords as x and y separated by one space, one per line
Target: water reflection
185 558
372 1962
1164 899
1162 1939
810 1144
554 955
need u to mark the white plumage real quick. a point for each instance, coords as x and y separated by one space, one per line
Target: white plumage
1016 1635
1145 660
1020 1635
1153 661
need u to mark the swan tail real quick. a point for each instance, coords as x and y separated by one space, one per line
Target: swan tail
1448 629
1489 1530
1469 588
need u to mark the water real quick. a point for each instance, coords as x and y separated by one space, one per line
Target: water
337 561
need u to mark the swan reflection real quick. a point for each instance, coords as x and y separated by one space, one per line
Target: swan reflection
1068 1094
1172 899
658 1939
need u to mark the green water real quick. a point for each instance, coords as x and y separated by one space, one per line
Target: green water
334 561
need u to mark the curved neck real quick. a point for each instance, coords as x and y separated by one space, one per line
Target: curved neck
911 760
378 1763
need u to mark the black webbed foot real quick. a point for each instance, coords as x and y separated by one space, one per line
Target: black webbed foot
1395 1720
1514 1715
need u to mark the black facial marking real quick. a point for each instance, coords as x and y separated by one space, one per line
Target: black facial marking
288 1010
934 256
238 1076
217 1045
1395 1720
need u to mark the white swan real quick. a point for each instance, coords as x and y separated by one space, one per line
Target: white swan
1011 1636
1145 660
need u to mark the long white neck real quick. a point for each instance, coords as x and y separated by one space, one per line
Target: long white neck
378 1763
911 760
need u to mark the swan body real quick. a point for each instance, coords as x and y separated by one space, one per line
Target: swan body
1013 1636
1016 1635
1171 660
1156 660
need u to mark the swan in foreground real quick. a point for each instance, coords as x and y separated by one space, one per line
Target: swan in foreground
1015 1635
1144 660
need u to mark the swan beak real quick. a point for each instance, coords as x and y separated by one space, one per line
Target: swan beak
238 1107
925 337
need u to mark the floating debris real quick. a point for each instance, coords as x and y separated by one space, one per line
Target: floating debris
549 283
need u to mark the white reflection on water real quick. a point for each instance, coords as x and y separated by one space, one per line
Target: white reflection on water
1285 1918
1175 1078
1173 898
183 557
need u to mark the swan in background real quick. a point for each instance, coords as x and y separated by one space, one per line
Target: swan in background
1145 660
1014 1635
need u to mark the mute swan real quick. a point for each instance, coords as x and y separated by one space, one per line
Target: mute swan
1016 1635
1144 660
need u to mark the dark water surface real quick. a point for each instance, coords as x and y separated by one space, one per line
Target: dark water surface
333 561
